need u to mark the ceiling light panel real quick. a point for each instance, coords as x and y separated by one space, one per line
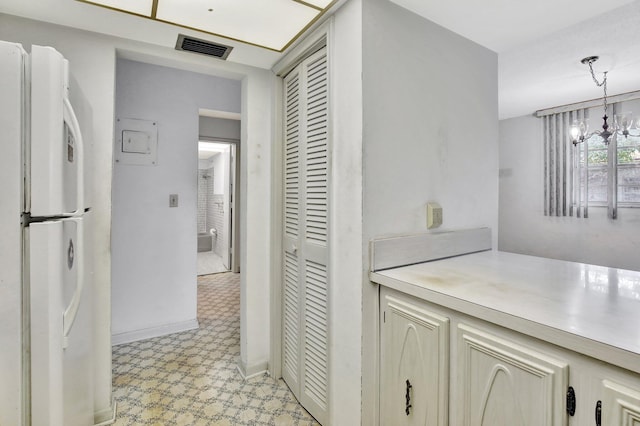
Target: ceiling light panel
317 3
270 24
139 7
212 147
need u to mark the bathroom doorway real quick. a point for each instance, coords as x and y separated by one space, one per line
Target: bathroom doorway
216 187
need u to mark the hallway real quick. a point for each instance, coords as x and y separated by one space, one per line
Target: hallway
191 378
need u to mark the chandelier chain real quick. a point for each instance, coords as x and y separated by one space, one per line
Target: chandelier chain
602 84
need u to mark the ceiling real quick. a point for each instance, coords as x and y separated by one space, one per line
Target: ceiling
272 24
539 42
501 25
84 16
208 150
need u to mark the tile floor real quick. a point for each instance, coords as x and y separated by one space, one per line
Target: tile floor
191 378
210 263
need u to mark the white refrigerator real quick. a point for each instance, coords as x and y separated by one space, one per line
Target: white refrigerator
46 374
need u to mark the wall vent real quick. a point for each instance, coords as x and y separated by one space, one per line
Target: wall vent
203 47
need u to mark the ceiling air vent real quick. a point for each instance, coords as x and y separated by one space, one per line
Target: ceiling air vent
204 47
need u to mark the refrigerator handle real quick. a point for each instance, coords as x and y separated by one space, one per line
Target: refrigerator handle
71 119
71 312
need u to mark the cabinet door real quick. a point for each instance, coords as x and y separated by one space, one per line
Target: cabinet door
502 383
414 364
621 405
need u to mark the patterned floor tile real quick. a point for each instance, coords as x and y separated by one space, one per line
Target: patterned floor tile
191 378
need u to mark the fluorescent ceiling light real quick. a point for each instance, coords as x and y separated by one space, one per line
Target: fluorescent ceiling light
212 147
139 7
317 3
270 24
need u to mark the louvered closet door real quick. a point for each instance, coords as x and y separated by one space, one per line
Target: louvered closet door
305 304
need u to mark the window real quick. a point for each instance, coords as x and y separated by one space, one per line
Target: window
627 169
590 174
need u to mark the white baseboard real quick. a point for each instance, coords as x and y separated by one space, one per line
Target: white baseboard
106 416
249 371
148 333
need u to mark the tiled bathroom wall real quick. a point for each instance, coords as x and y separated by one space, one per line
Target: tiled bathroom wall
211 209
216 215
205 191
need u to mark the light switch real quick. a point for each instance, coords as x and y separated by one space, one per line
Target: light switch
135 142
173 200
434 215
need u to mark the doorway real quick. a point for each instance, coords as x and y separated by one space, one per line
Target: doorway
215 210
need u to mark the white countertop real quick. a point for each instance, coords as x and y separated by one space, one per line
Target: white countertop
589 309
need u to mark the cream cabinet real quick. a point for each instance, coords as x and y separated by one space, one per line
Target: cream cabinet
414 363
620 405
441 367
503 383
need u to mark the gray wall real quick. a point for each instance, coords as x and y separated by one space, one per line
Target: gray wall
212 127
154 246
431 127
524 228
430 134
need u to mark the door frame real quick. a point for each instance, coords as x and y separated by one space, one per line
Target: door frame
234 217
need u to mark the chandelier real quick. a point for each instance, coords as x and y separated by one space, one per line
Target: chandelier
622 122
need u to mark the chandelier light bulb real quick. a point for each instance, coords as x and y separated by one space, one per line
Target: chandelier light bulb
579 131
623 123
575 132
583 128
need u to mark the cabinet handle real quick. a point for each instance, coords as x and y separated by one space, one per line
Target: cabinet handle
599 413
571 401
407 396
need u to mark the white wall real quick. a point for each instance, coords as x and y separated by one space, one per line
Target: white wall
345 216
154 288
524 228
255 219
430 134
204 164
93 59
220 164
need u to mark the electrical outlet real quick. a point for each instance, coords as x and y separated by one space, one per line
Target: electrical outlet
434 215
173 200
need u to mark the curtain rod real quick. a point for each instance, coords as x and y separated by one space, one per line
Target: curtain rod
588 104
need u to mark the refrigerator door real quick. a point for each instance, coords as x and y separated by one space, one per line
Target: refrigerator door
56 156
12 381
61 370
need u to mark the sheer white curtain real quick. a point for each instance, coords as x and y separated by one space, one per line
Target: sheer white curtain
565 175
